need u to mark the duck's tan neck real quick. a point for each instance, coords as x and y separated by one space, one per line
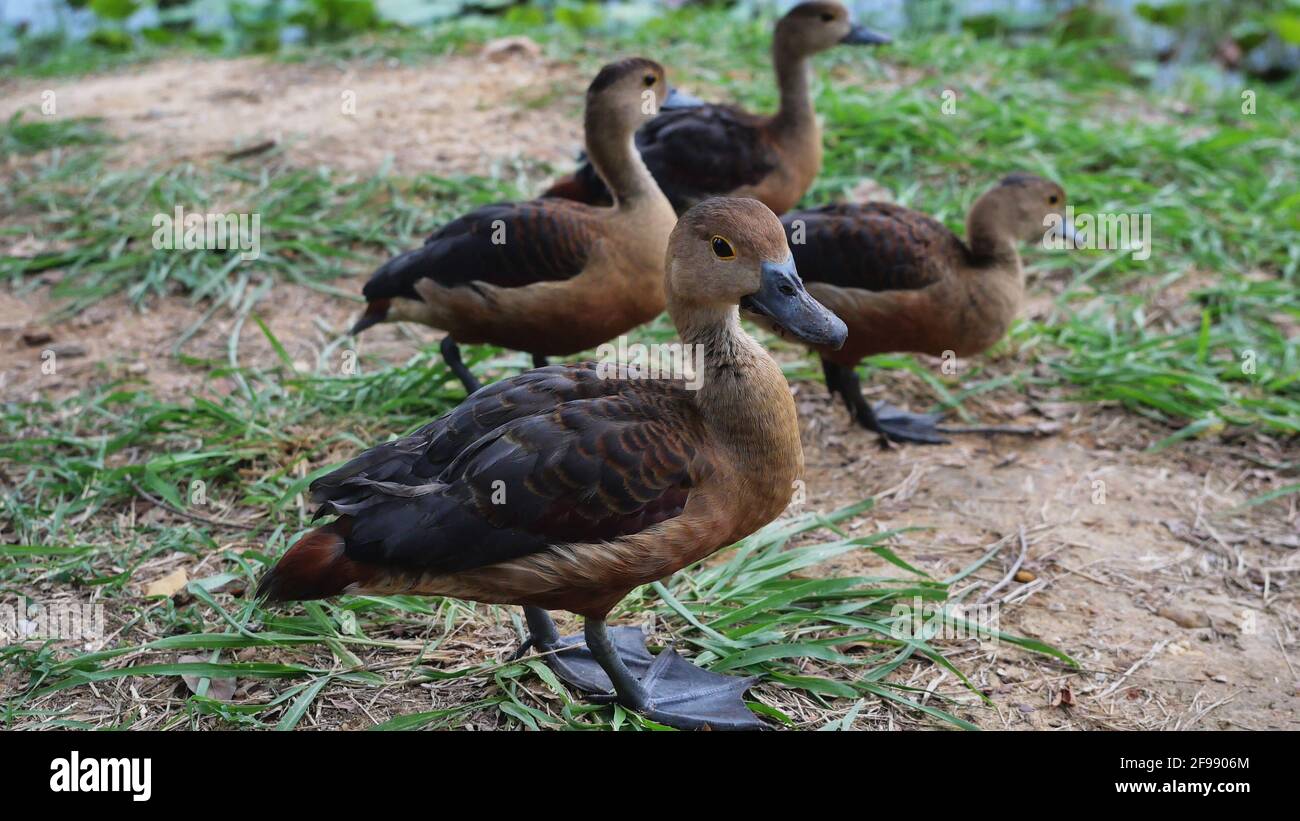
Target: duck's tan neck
613 154
796 114
991 244
745 400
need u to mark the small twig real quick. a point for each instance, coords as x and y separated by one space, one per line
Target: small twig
1011 574
1278 635
1156 648
1196 719
252 150
192 516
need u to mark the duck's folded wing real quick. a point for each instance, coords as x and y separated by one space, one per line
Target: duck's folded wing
693 153
698 152
874 247
583 470
423 455
508 245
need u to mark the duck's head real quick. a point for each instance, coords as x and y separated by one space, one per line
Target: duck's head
1019 207
627 94
816 26
730 251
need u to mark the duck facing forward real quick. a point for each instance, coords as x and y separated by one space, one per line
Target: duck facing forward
720 150
904 283
566 487
548 276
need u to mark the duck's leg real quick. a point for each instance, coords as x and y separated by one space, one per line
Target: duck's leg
892 424
831 372
572 661
540 361
673 691
451 355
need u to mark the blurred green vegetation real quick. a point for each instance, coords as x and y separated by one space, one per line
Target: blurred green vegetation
133 29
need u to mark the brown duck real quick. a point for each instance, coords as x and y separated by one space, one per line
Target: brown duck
567 486
720 150
905 283
548 276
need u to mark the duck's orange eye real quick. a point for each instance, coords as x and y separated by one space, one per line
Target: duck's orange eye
722 249
649 80
826 18
1052 199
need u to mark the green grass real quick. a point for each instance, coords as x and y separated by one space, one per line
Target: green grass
312 223
21 135
1221 187
821 638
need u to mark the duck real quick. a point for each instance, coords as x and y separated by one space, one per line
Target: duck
903 282
699 151
549 277
566 487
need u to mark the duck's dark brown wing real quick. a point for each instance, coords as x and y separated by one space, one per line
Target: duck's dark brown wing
550 457
508 245
874 247
693 153
426 453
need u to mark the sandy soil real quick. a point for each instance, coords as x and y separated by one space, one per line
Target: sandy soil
463 114
1136 566
1180 607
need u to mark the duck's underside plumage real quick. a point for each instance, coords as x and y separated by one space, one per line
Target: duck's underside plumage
693 153
533 465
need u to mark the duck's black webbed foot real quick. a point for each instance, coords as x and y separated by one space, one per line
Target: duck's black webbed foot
681 695
896 425
614 665
569 657
575 665
892 424
672 691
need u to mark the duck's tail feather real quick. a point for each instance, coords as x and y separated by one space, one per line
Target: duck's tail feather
316 567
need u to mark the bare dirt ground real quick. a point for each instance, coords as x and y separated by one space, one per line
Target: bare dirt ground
461 115
1179 605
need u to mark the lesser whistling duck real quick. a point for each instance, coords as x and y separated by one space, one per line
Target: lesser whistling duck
720 150
548 276
905 283
567 486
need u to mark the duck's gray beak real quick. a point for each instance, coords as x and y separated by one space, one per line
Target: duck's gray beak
863 36
680 99
1065 230
783 301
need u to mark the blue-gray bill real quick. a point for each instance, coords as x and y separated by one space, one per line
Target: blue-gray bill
863 36
680 99
783 301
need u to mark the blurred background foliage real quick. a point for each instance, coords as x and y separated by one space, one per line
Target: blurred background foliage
1260 38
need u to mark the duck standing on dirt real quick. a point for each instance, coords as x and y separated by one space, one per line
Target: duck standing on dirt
904 283
548 276
566 487
721 150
